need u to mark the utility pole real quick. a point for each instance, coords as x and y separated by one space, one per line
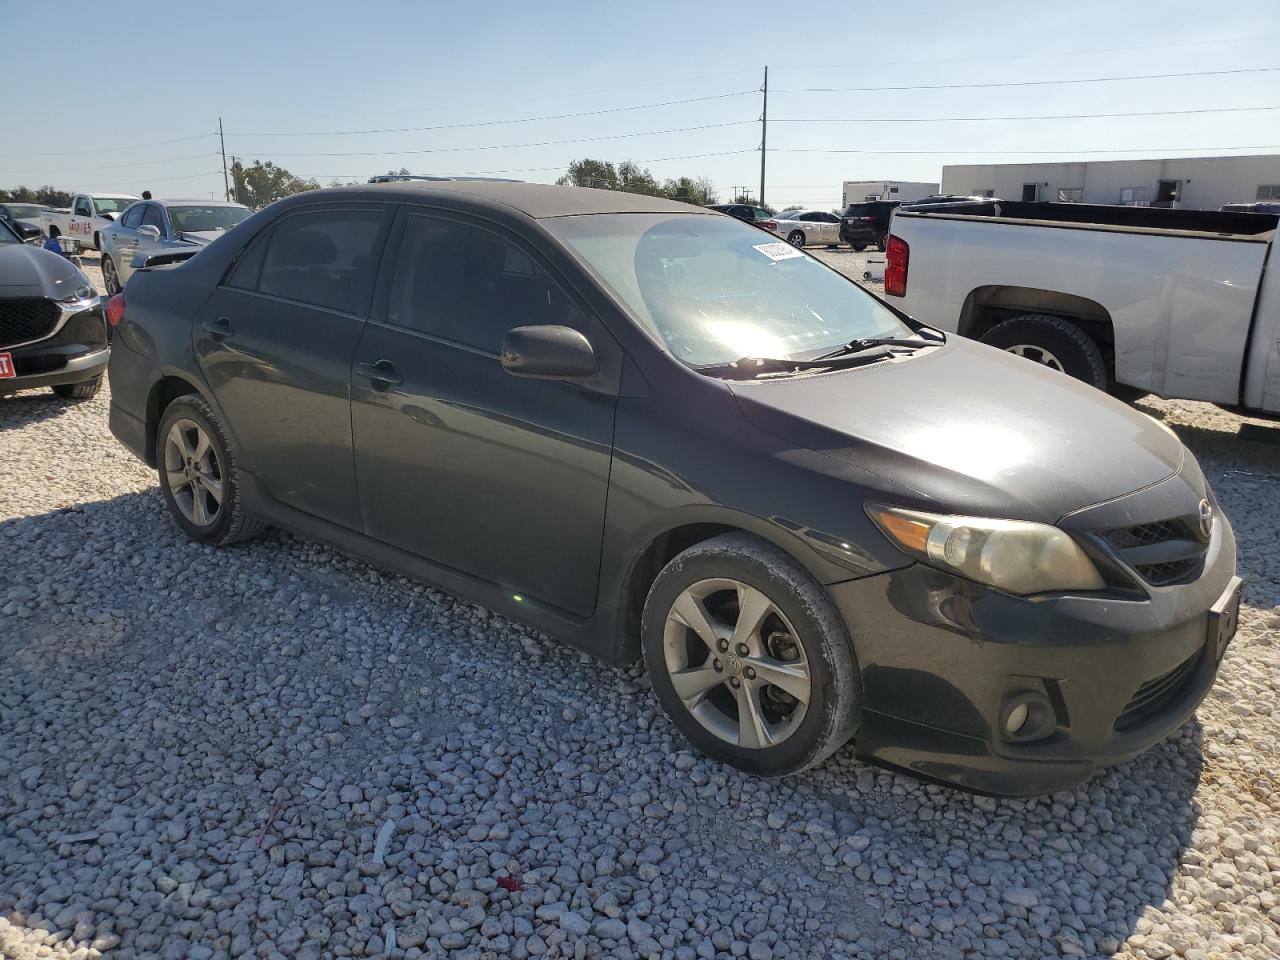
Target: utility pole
226 189
764 131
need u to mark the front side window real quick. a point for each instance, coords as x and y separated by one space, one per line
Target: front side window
82 207
152 217
325 258
133 216
714 291
468 285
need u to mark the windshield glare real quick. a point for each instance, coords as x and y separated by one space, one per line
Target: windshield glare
715 290
196 219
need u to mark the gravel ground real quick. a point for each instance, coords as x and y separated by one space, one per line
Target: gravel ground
276 750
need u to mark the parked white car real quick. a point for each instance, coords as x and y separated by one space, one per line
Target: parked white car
84 219
801 227
1179 303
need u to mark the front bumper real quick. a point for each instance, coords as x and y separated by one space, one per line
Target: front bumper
75 352
942 658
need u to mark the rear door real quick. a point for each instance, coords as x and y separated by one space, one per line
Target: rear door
499 477
275 343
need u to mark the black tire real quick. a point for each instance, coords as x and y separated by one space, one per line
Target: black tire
231 524
110 278
54 232
858 247
796 238
835 694
84 390
1072 350
882 241
97 242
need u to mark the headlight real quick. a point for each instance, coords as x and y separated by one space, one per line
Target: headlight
83 293
1011 555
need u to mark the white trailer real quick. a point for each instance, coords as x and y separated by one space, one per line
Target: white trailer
904 191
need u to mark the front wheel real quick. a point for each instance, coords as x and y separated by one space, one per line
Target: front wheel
1053 342
748 657
198 474
84 390
109 276
795 238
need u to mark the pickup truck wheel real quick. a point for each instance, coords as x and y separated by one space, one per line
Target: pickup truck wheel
54 232
748 657
795 238
1054 342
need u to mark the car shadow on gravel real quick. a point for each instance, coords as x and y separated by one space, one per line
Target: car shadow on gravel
20 410
242 694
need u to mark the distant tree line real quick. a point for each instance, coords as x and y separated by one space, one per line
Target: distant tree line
630 177
49 196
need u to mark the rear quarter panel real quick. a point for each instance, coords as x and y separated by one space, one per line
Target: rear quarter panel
1180 305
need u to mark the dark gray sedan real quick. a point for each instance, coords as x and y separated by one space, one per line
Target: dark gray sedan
161 226
654 431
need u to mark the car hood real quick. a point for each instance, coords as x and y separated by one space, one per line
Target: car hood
970 429
29 271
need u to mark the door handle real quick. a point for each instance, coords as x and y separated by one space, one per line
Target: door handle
382 374
219 329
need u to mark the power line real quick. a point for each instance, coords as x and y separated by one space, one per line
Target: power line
520 146
1030 83
132 163
130 146
1035 56
190 176
1270 146
1045 116
494 123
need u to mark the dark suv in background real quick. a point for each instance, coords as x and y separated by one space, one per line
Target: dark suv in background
866 224
757 216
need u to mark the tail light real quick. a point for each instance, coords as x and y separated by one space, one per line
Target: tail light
897 257
768 224
115 309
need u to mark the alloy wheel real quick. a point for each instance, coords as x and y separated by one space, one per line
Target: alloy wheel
1038 355
109 277
194 473
736 663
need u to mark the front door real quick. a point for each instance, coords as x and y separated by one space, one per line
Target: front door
275 343
457 461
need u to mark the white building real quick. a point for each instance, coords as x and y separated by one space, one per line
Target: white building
1195 183
859 191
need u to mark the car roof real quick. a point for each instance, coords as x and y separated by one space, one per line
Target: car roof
197 202
111 196
537 200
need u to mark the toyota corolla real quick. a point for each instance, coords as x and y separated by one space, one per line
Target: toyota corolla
653 431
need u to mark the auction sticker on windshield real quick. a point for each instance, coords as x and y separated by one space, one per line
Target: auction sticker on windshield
778 251
6 366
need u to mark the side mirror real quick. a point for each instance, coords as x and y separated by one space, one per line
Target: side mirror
149 231
554 352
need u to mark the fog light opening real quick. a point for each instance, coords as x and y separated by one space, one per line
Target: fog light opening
1017 719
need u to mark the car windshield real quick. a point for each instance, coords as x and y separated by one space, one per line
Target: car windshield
198 219
714 290
112 204
24 211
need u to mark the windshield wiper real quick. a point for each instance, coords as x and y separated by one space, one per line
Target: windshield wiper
748 368
862 344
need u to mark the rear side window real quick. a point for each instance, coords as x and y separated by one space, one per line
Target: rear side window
248 265
325 258
468 285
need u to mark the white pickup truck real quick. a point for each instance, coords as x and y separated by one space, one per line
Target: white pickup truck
1179 303
87 215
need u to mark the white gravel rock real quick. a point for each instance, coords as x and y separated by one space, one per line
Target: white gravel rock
200 750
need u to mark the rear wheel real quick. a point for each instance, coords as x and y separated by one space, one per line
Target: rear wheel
1054 342
84 390
198 474
749 658
882 241
109 276
858 247
795 238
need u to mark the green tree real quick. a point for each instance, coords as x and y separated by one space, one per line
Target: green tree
590 173
47 195
264 183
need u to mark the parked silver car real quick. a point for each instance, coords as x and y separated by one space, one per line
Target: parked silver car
801 227
153 226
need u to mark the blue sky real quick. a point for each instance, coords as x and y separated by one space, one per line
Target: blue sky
286 76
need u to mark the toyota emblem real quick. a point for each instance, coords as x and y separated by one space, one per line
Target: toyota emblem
1206 518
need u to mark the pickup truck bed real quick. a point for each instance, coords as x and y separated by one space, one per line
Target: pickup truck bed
1173 302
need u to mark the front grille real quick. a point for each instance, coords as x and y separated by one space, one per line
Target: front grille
1146 533
1161 552
1157 693
26 318
1162 574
